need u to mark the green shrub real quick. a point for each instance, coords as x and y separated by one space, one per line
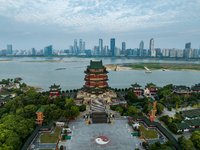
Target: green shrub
169 108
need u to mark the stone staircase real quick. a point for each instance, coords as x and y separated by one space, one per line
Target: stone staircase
98 110
97 105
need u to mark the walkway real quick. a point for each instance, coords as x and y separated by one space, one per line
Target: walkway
113 137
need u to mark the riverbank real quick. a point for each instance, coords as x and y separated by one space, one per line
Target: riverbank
115 68
154 66
164 66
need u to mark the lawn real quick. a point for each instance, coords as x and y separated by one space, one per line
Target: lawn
50 138
149 134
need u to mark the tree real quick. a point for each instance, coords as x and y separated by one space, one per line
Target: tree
30 109
132 110
195 138
66 114
187 145
170 143
82 107
180 139
74 111
131 96
159 108
69 103
119 109
57 100
20 111
178 118
173 127
176 107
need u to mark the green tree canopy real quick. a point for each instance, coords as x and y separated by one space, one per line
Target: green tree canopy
132 110
159 108
69 103
195 138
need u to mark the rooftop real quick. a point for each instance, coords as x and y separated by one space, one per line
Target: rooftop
54 86
135 85
96 65
40 110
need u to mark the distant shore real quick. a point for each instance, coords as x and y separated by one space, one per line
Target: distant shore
155 66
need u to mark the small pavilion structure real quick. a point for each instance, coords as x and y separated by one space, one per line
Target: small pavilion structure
152 110
40 116
136 89
54 90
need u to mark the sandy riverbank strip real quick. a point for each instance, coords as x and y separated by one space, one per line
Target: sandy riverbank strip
115 68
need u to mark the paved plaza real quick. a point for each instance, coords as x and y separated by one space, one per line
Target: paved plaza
101 136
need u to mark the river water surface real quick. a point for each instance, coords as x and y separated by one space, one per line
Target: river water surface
43 74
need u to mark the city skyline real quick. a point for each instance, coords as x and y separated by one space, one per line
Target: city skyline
27 24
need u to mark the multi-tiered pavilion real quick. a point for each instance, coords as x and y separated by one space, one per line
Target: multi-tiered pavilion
96 93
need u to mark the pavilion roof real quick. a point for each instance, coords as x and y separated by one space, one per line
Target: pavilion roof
150 85
151 100
54 86
96 65
182 126
40 110
191 113
193 122
151 108
135 85
180 87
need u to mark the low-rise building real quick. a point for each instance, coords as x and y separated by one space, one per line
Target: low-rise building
181 89
136 89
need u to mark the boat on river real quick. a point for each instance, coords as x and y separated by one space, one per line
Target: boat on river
147 70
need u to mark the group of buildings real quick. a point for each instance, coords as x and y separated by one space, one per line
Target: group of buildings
105 50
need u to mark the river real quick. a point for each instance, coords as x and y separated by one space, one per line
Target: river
43 74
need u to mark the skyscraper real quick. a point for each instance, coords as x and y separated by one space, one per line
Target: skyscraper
112 46
71 49
188 45
83 47
151 48
33 51
9 49
100 46
80 47
75 46
123 46
106 50
48 50
141 46
151 45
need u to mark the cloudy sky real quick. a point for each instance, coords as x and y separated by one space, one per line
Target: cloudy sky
38 23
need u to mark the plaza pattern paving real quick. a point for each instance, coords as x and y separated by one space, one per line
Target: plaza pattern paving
84 136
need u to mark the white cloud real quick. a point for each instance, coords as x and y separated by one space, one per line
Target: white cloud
109 16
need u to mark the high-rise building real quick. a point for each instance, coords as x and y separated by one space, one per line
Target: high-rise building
71 49
112 46
141 46
83 47
165 52
48 50
3 52
117 51
123 46
100 46
158 52
106 50
151 48
188 45
151 45
96 50
80 47
33 51
75 46
9 49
